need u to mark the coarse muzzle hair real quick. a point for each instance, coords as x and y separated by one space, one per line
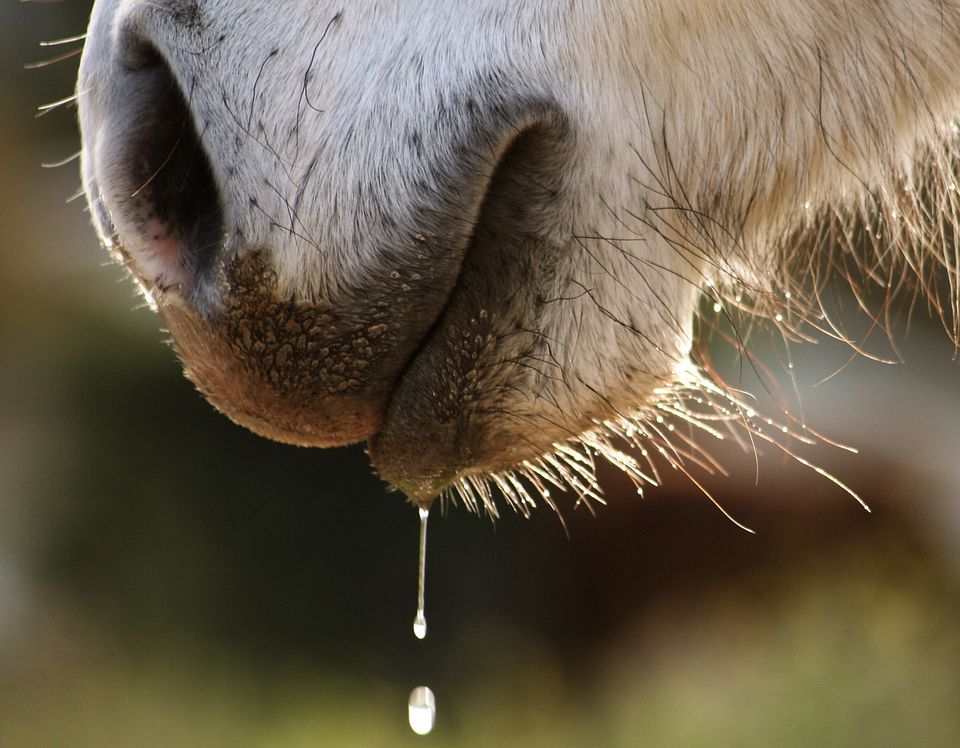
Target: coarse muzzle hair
477 233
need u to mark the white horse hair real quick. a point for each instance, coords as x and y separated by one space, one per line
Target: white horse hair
476 233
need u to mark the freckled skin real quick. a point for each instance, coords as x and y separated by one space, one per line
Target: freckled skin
294 371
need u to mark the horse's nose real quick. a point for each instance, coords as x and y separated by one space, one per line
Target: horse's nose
300 260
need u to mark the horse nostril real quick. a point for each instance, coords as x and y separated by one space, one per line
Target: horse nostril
152 172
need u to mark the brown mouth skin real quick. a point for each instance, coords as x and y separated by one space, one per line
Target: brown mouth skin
303 374
291 371
467 402
425 362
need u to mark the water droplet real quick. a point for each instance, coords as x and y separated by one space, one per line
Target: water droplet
420 626
420 621
422 710
718 307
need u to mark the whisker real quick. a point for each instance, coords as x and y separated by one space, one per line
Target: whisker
65 40
63 162
53 60
45 109
633 442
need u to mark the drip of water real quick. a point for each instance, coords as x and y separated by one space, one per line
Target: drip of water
420 626
422 710
422 705
420 621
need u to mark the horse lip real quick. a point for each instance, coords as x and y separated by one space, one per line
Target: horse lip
445 418
305 373
329 383
295 372
271 406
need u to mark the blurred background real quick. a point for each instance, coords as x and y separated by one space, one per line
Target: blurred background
168 579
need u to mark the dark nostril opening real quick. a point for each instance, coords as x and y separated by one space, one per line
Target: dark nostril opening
173 195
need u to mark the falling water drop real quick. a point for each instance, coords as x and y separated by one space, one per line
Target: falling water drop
422 705
420 626
420 621
422 710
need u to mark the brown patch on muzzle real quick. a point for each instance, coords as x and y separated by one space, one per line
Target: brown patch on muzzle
292 371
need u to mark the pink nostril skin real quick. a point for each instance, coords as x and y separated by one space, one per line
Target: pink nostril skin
163 243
